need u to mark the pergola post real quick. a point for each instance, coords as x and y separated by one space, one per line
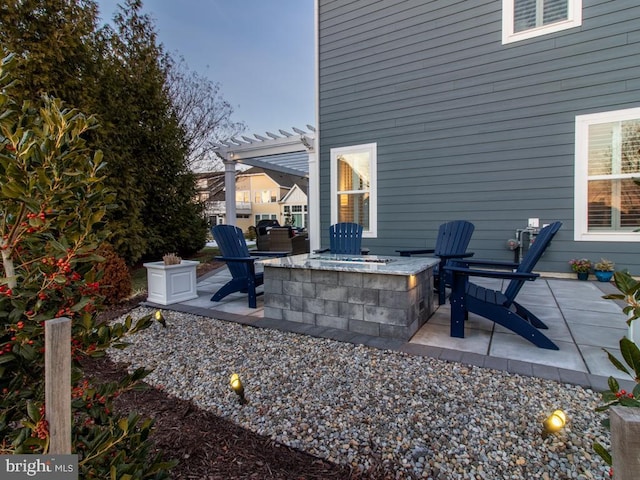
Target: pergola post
313 201
230 191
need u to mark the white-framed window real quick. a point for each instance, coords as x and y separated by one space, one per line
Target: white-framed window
265 196
607 176
243 196
353 186
265 216
522 19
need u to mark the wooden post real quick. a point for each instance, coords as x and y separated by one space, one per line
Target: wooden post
625 442
57 381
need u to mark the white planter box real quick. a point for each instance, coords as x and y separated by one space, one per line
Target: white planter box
167 284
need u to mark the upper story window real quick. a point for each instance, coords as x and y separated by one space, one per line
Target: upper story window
522 19
607 176
265 196
243 196
353 186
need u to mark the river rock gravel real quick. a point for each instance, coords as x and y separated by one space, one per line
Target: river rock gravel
357 405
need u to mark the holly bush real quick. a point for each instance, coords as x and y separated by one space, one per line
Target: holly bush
52 204
630 364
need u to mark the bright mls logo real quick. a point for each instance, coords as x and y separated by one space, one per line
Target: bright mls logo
49 467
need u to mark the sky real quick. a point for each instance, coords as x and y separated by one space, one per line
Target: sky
261 52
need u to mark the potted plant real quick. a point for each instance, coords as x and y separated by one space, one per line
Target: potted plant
604 270
171 280
581 266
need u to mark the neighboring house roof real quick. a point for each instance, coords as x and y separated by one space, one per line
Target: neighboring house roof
291 192
286 180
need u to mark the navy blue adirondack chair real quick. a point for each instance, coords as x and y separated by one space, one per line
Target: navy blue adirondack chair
498 306
240 261
451 243
345 239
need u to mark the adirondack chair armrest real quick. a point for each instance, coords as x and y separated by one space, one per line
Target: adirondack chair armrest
237 259
472 272
268 254
408 253
363 251
456 255
492 263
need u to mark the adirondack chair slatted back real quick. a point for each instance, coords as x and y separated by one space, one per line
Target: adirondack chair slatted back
231 243
345 238
542 241
453 238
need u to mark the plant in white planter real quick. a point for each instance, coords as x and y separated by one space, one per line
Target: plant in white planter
604 269
171 259
172 280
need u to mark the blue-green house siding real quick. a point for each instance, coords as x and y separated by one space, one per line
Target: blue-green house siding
468 128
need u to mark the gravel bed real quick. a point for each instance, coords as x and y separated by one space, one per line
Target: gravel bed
357 405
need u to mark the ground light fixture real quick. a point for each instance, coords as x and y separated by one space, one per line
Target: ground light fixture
555 422
236 386
160 318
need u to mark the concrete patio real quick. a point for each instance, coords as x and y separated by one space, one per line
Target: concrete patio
580 322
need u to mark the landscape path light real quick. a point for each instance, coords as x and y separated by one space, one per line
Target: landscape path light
160 318
236 386
555 422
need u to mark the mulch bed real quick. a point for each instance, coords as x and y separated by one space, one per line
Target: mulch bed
210 447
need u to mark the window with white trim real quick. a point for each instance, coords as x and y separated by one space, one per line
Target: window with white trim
353 186
265 216
607 176
522 19
243 196
265 196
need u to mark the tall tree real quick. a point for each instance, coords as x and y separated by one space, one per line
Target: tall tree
55 40
145 144
121 75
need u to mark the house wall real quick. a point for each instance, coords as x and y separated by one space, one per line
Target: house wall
468 128
296 197
257 184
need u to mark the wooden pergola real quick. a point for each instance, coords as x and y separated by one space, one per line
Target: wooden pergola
270 152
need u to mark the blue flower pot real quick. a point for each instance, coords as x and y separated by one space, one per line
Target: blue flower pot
583 275
603 276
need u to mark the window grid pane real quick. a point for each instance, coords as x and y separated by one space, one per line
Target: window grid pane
353 172
614 151
555 11
530 14
354 207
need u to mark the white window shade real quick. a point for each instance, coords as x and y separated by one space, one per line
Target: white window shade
537 13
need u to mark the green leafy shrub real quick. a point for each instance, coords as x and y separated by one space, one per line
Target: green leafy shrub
115 282
630 364
52 204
